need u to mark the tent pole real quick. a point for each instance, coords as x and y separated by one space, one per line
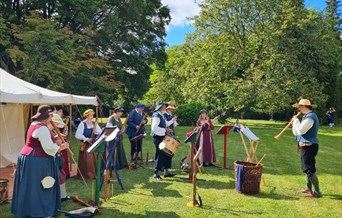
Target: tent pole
70 135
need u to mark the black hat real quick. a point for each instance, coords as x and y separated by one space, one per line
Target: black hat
203 111
118 109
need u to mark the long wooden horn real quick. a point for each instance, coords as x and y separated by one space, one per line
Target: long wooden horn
69 150
124 124
277 137
77 198
60 136
142 120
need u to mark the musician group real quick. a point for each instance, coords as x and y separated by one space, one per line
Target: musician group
43 164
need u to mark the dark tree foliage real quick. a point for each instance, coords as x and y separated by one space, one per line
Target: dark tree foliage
88 47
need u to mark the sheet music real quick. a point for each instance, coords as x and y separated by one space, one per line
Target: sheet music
249 134
101 137
113 135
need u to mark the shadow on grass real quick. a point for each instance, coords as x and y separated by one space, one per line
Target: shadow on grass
212 184
117 213
274 196
333 197
160 190
230 211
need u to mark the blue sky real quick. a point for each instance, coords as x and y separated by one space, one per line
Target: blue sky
181 9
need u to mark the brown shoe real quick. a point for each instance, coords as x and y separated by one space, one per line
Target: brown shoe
314 195
307 191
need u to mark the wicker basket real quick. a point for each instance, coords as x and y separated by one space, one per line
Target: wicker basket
4 191
251 177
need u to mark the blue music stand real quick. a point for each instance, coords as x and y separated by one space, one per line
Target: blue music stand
99 148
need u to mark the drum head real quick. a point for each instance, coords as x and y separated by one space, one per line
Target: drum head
162 145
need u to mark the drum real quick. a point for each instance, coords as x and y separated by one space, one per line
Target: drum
3 191
169 145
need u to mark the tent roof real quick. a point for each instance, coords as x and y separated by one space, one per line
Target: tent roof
15 90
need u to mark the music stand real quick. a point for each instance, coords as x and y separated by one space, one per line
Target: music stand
99 148
134 139
192 138
224 130
251 152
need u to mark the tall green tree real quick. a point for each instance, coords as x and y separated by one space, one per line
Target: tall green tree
106 42
255 55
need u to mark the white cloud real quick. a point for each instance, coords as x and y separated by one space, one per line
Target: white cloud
180 10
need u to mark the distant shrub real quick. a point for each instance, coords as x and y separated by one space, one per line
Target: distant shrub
187 114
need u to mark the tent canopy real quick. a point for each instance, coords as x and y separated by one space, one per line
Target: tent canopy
15 98
15 90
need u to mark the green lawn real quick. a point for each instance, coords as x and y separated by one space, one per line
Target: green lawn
279 196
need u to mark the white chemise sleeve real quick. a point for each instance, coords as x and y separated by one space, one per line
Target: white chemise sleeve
44 136
155 128
300 128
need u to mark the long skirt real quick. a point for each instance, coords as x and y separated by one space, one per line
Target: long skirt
29 196
206 141
66 168
87 164
121 160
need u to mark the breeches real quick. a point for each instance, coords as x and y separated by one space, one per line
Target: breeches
308 154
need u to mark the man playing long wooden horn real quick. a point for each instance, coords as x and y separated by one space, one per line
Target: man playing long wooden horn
306 136
136 126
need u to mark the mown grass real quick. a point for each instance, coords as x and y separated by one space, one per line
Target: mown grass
279 196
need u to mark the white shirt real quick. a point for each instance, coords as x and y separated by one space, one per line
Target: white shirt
155 126
170 122
43 134
300 128
80 129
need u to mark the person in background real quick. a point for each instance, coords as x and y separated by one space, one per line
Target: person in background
330 116
87 132
206 141
63 129
159 130
115 120
135 119
171 120
36 191
59 123
306 137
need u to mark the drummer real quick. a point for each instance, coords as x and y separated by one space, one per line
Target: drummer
171 120
158 131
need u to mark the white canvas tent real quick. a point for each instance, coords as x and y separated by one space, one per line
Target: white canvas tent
15 98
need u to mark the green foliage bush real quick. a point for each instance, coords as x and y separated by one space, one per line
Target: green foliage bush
187 114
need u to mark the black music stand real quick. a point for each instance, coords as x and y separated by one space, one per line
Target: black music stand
136 138
224 130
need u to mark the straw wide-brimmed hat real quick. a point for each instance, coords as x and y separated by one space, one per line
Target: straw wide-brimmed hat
88 112
43 112
304 102
159 104
58 120
170 106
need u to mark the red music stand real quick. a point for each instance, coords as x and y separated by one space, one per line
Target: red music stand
224 130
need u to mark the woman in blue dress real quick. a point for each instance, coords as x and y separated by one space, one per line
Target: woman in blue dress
36 191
